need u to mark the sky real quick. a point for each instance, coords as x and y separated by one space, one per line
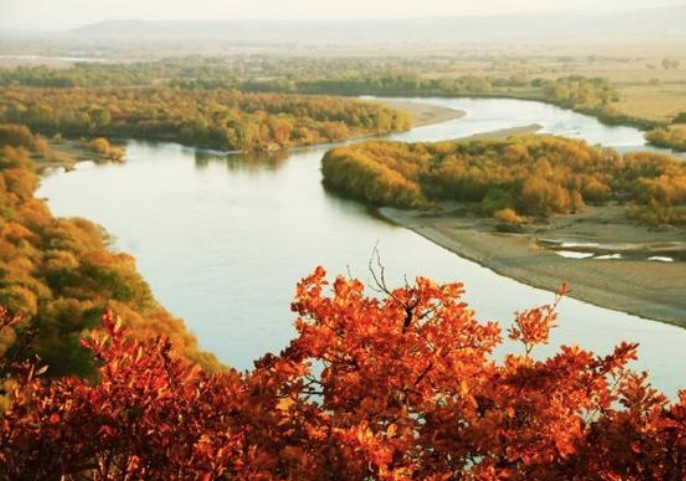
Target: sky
67 14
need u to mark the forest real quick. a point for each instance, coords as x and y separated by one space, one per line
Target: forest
233 121
222 119
510 179
340 76
60 275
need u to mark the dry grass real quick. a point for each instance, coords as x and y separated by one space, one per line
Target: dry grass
654 102
634 66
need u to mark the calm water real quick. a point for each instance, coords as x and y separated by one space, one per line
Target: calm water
224 241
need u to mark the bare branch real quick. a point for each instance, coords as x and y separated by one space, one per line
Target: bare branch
381 286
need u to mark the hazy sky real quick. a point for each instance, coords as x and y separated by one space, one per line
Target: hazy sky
64 14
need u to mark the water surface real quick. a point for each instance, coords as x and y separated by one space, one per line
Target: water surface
224 241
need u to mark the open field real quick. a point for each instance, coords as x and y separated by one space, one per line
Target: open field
660 102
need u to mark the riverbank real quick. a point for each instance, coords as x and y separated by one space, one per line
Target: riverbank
610 118
652 289
424 114
503 133
65 154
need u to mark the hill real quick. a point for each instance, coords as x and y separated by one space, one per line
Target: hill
569 25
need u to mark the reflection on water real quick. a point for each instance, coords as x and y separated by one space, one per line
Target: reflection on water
223 241
248 162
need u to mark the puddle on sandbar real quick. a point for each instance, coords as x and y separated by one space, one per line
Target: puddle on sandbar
660 259
574 254
609 257
605 257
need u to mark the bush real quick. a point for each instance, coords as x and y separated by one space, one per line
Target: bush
102 146
509 216
401 387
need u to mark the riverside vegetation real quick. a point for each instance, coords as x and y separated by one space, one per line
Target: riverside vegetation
512 178
339 76
556 81
671 136
221 118
60 275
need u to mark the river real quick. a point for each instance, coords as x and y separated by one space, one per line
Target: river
223 240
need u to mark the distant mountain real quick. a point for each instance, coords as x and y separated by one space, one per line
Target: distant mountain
570 24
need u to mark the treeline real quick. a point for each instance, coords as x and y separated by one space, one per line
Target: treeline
334 76
227 72
580 93
574 92
87 75
523 175
590 95
60 275
386 83
223 119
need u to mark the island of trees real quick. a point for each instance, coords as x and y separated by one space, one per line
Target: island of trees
531 175
219 118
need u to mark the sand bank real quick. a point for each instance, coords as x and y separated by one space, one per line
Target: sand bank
653 289
424 114
502 133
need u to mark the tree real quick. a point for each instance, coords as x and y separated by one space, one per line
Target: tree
399 387
150 416
59 275
102 146
101 117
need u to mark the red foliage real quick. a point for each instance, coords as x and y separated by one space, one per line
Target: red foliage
148 416
402 387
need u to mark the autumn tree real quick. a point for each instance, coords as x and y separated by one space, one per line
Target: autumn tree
219 118
59 275
403 386
531 175
103 147
150 416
